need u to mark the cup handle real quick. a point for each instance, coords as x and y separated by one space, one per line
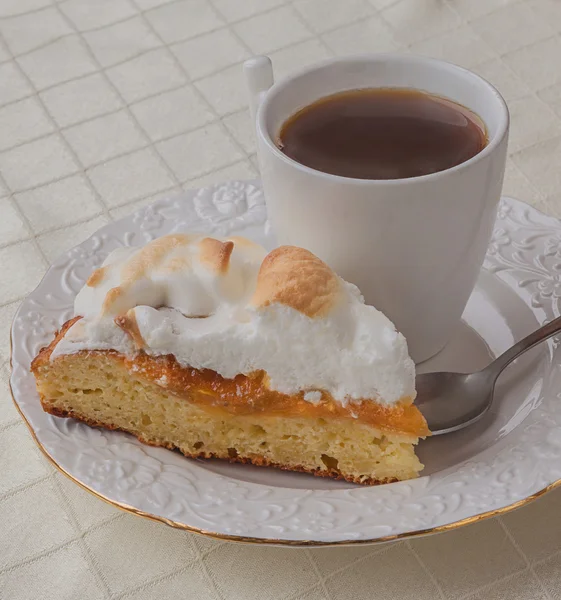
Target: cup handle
258 72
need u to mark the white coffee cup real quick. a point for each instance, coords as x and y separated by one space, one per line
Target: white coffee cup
413 246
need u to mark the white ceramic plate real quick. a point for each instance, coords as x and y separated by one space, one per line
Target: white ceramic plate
508 458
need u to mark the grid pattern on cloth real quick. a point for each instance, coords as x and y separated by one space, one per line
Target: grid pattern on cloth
106 105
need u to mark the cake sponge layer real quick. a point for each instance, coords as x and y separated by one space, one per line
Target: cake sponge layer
99 389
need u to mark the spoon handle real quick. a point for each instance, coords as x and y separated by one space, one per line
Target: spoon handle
535 338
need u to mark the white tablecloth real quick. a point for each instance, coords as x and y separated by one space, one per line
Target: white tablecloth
108 104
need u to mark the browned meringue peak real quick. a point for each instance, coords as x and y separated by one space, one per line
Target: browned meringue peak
288 275
158 255
215 254
129 325
297 278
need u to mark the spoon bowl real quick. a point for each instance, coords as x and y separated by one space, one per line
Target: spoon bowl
452 401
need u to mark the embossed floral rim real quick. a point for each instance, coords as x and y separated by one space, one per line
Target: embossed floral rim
534 274
280 542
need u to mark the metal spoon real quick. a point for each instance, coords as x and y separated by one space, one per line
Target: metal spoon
452 401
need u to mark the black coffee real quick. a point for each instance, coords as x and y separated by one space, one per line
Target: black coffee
382 133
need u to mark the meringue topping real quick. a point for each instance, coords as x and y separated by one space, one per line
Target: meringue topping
191 273
228 306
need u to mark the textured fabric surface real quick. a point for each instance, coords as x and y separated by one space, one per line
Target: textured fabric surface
108 104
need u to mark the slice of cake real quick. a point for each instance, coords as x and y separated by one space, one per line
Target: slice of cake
218 349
